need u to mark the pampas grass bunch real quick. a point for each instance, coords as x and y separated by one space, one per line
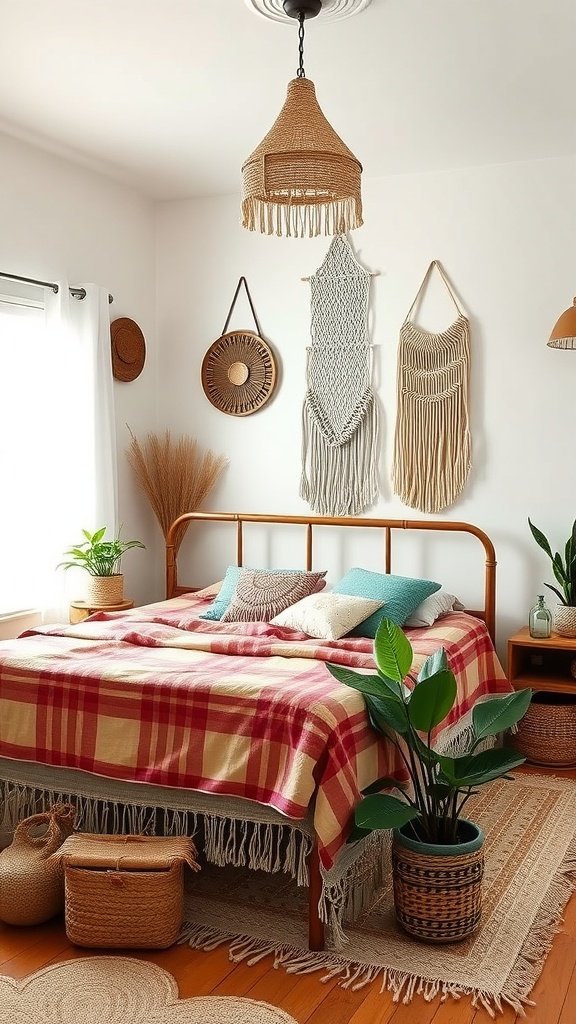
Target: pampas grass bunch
176 475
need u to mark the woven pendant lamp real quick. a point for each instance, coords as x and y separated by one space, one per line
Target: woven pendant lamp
564 331
302 179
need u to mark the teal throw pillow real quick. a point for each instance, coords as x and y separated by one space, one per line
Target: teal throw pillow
225 594
401 596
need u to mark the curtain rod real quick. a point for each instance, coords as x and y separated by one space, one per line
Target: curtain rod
78 293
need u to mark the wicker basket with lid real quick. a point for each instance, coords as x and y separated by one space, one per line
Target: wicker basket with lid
125 891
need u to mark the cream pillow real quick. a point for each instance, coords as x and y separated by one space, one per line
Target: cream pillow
432 608
327 616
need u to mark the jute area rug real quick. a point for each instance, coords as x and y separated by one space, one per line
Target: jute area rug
530 826
119 990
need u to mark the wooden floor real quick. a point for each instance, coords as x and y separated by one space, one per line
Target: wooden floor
25 950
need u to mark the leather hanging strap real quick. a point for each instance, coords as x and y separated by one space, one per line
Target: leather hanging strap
230 311
435 264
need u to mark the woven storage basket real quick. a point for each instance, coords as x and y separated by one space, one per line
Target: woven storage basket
437 897
125 891
547 733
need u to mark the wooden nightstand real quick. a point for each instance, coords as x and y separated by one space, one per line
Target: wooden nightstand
80 610
547 733
541 664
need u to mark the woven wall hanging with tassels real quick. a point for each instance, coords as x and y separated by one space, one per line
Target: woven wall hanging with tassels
340 414
432 451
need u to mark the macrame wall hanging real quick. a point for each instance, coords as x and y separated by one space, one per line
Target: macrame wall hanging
432 439
340 414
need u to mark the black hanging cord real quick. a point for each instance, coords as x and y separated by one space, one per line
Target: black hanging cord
300 72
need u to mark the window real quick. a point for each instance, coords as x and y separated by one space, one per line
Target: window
57 447
24 386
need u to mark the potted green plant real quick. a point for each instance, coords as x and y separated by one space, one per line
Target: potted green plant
564 569
101 559
437 854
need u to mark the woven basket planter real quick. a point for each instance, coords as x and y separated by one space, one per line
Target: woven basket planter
105 590
565 620
125 891
438 889
547 733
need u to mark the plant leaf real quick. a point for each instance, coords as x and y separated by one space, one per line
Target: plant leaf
558 568
495 716
358 833
372 684
392 651
476 769
440 790
383 811
437 662
431 700
540 538
379 785
387 714
425 753
557 592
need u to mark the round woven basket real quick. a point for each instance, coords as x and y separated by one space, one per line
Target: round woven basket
438 893
547 733
565 620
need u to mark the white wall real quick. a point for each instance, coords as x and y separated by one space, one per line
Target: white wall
58 219
505 234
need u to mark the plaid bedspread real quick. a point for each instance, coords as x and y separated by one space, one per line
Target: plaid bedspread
156 695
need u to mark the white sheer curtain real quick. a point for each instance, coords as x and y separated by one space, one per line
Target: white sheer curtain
61 466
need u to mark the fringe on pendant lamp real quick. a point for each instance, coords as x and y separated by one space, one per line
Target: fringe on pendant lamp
302 179
564 331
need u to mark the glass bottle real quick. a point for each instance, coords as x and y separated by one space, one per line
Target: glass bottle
540 620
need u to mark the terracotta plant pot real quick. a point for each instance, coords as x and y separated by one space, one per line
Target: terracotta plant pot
438 889
105 590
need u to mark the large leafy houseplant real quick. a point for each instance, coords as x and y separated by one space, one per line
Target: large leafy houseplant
563 567
407 716
97 556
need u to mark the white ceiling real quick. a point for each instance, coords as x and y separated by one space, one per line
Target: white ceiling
172 95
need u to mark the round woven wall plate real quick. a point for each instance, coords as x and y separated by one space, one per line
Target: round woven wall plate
238 373
128 349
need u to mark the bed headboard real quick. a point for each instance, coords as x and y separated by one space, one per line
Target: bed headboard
387 526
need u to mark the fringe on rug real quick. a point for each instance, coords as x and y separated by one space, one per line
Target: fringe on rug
340 479
349 974
402 984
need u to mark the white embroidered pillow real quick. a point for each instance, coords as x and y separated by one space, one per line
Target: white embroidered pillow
432 608
261 594
327 616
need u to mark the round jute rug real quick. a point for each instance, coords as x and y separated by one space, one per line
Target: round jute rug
119 990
